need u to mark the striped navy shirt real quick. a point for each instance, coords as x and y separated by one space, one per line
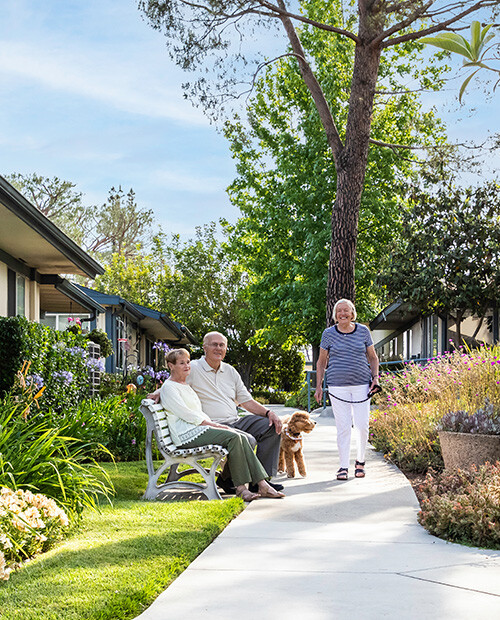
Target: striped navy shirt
348 364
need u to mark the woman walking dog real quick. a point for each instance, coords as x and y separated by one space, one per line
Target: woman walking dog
348 356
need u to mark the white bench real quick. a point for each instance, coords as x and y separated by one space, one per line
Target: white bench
157 426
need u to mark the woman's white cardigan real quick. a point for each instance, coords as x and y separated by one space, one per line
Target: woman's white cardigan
184 413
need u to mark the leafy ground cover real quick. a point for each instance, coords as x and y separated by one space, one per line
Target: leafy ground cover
463 506
120 560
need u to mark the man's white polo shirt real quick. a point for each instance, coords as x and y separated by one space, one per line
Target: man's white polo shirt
218 390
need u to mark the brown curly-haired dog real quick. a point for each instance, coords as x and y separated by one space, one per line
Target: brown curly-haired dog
291 443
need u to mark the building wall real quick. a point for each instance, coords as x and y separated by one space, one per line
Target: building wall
469 325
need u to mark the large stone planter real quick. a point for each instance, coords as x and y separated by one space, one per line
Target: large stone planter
461 450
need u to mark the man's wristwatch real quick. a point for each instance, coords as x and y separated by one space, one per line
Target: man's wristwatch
267 413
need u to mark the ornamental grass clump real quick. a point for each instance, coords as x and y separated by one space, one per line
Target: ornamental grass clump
463 506
29 524
414 400
43 457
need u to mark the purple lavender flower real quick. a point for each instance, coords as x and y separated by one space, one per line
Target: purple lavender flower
161 346
77 352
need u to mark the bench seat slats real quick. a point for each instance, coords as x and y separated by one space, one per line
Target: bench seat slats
157 426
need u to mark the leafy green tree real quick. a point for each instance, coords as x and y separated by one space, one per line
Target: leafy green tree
134 278
208 27
287 182
450 260
199 284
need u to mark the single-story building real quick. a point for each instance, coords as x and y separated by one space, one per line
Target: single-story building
33 254
401 331
133 329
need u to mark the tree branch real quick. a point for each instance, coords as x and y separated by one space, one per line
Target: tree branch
283 12
412 36
312 84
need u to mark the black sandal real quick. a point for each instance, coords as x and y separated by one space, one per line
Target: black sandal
342 473
359 472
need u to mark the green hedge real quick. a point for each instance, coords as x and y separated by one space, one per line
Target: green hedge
58 361
11 346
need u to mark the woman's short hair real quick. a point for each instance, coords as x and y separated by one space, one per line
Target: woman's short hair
173 356
351 306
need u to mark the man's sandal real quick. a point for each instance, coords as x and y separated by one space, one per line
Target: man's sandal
359 472
342 473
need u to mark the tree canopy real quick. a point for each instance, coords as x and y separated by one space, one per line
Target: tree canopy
209 27
286 183
449 262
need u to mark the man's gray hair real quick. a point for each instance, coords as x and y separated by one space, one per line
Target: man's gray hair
351 306
210 334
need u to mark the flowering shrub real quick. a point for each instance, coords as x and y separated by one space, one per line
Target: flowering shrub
58 361
485 421
463 506
414 401
408 436
29 524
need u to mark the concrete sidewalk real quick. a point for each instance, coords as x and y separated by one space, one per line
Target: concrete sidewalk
334 550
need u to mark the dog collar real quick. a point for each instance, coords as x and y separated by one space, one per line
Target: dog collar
292 437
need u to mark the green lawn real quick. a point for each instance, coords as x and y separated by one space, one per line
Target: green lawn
120 560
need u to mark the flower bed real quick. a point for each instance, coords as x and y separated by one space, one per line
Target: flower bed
459 391
405 426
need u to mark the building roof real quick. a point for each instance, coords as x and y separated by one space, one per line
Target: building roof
395 316
158 325
60 295
32 239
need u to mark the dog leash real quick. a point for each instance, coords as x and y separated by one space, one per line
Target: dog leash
375 390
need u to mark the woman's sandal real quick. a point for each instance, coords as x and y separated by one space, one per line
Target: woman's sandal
342 473
359 472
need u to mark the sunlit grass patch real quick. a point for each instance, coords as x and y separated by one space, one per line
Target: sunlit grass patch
121 558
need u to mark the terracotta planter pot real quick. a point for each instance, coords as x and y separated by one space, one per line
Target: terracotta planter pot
461 450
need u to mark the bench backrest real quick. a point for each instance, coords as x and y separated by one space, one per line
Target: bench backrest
156 416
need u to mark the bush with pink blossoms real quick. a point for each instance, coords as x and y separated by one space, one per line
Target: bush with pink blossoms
414 400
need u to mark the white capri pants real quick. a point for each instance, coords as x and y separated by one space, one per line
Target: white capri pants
348 415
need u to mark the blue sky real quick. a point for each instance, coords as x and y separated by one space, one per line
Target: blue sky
89 94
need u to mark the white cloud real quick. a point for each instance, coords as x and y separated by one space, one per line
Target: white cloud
116 81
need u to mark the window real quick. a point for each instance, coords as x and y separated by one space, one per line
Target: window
60 321
20 295
16 294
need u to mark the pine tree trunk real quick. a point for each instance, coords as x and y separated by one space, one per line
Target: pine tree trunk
351 168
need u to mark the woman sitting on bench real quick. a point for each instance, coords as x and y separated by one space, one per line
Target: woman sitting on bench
190 428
